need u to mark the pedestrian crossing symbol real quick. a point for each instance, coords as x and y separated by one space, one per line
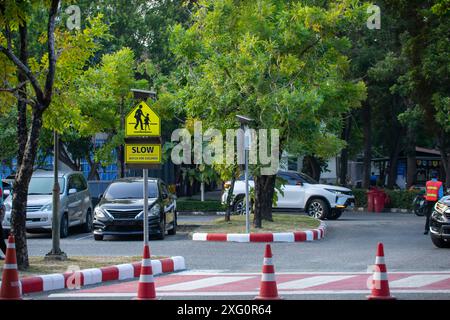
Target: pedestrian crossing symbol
142 121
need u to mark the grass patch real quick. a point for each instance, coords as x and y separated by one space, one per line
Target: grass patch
39 266
281 223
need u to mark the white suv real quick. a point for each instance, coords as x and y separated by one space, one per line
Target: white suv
301 192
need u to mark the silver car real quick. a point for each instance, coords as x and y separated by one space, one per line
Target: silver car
76 205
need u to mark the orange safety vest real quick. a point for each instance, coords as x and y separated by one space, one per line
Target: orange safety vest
432 193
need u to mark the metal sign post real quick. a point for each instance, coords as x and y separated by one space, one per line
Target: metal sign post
247 144
55 253
247 211
145 174
143 145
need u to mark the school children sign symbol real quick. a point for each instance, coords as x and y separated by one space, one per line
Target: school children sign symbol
142 122
142 138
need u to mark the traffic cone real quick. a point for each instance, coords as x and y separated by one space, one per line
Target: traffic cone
268 289
380 282
146 287
11 288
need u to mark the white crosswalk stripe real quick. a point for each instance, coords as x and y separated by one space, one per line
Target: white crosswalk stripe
418 280
311 282
201 283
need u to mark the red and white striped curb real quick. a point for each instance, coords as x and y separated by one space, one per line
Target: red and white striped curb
297 236
85 277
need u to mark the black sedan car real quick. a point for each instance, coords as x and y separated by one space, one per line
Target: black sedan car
120 210
440 223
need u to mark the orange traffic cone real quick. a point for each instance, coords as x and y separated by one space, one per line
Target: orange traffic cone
11 288
268 289
380 283
146 287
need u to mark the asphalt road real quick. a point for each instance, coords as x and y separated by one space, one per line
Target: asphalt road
349 245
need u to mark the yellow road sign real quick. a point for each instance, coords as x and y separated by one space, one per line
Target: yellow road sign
142 121
143 153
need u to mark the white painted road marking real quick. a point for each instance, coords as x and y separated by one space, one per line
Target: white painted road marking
311 282
85 237
242 293
418 281
201 283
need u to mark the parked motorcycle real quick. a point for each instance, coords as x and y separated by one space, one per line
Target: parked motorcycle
420 204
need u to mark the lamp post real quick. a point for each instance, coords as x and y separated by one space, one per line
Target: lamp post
55 253
247 142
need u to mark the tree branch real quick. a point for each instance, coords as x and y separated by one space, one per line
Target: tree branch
25 70
19 86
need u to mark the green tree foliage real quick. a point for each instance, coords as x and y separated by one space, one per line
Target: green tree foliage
281 63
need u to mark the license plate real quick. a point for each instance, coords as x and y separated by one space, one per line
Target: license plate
124 223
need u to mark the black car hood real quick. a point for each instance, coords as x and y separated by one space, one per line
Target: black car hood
125 203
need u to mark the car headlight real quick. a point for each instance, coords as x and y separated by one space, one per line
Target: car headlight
100 213
47 207
154 211
441 208
337 192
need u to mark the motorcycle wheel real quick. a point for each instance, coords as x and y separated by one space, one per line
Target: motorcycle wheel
419 207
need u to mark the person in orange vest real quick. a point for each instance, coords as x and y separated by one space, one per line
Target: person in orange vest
434 191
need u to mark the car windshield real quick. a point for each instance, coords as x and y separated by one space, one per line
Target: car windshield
130 190
43 185
307 178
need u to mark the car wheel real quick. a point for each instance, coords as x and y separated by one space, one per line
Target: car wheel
239 206
318 209
98 237
88 225
173 231
64 228
334 214
440 243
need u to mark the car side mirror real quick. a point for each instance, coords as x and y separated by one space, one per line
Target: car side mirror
299 183
72 191
100 196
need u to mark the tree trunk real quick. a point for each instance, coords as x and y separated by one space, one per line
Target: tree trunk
121 149
344 153
313 166
93 172
121 162
65 158
22 130
367 163
229 203
411 156
21 182
264 191
393 160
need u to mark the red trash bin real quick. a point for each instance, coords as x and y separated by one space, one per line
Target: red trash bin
371 194
379 201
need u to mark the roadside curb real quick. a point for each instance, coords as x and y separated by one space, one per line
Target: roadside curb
201 213
392 210
85 277
298 236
